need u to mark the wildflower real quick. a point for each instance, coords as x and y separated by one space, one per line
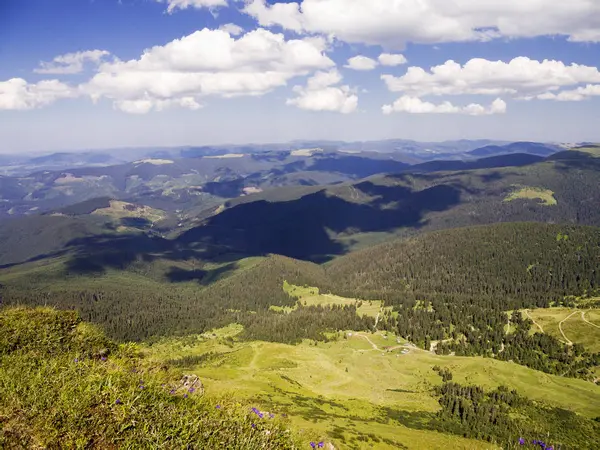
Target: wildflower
104 358
521 441
271 415
142 387
321 444
260 415
172 392
76 360
185 396
191 390
118 401
253 425
218 406
313 445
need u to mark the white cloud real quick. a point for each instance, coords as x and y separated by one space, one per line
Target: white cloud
207 62
232 29
414 105
393 23
387 59
143 106
17 94
575 95
361 63
520 77
320 94
184 4
71 63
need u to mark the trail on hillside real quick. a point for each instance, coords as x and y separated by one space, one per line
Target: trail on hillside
561 330
533 320
587 321
370 341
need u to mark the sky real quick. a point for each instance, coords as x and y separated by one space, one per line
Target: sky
86 74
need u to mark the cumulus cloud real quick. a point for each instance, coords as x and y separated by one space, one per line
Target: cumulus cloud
520 77
184 4
71 63
361 63
414 105
232 29
18 94
319 94
388 59
206 62
393 23
574 95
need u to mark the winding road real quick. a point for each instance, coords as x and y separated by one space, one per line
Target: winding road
569 342
533 320
587 321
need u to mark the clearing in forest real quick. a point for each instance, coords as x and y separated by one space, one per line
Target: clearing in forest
310 296
569 325
119 210
546 196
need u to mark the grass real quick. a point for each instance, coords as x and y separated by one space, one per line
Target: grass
593 150
121 210
575 328
310 296
546 196
64 385
345 389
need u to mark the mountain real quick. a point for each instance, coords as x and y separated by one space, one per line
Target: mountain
318 223
530 148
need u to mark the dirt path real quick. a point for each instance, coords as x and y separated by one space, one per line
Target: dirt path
561 330
534 322
370 341
587 321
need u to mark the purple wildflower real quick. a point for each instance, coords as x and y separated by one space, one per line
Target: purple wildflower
313 445
271 415
172 392
142 387
191 390
118 401
261 415
321 444
521 441
218 406
253 425
76 360
185 396
104 358
550 448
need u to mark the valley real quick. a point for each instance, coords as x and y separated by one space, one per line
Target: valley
382 305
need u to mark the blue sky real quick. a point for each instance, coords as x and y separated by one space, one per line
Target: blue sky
522 69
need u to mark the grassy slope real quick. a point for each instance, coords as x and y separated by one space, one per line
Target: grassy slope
350 385
64 385
574 327
310 296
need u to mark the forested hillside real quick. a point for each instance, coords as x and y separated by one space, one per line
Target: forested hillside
455 286
309 223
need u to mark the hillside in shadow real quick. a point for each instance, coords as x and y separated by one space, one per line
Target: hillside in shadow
306 228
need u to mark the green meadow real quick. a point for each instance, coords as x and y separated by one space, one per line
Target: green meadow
545 196
359 390
581 326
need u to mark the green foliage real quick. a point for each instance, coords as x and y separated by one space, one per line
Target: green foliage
503 416
60 387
